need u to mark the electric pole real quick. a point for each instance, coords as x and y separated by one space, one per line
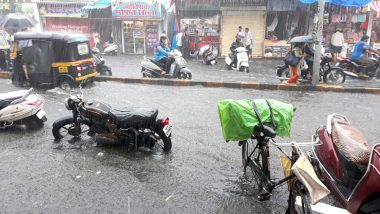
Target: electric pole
318 28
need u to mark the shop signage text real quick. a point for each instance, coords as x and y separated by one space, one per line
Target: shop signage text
60 10
136 9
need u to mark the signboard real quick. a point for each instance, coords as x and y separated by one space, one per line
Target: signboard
147 9
61 10
60 25
151 36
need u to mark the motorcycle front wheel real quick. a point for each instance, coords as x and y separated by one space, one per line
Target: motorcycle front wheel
334 75
66 126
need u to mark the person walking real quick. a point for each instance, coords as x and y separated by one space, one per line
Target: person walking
179 39
337 41
186 44
248 41
297 52
197 39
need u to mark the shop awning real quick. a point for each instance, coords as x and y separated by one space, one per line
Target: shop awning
345 3
99 9
376 6
97 5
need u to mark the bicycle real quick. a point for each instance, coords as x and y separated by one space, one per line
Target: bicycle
256 157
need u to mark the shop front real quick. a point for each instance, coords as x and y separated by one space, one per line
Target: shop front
202 16
140 23
351 20
66 18
252 17
285 20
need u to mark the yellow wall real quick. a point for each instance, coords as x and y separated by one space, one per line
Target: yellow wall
229 29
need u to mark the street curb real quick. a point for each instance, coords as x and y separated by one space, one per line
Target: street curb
236 85
5 75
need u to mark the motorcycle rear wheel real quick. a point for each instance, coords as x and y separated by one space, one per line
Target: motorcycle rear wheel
167 143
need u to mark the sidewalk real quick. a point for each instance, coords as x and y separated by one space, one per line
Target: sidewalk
261 70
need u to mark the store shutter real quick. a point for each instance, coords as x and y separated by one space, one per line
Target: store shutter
229 28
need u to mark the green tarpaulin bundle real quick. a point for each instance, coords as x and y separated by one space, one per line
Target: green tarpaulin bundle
238 118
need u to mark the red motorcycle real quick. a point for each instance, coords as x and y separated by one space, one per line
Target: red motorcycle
347 165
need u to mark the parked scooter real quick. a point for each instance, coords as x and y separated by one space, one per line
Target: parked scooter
18 106
134 127
153 69
209 54
242 60
347 165
110 49
101 68
353 69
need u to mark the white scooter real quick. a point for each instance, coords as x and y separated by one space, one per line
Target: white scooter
18 105
209 54
242 60
178 69
110 49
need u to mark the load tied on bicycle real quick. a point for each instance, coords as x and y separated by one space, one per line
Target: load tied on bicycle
255 125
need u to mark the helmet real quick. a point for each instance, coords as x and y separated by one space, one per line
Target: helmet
238 39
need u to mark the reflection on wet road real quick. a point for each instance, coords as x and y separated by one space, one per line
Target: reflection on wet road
202 174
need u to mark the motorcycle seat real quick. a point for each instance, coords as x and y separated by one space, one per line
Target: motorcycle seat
134 117
350 142
7 98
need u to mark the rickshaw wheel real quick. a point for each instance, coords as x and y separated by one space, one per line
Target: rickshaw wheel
65 85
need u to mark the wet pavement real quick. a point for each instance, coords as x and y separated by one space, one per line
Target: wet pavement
202 173
261 70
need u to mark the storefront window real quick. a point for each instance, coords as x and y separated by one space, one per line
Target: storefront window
207 29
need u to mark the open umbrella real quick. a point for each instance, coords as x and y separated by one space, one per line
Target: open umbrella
302 39
17 21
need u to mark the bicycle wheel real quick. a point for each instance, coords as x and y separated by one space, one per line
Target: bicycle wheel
304 206
257 164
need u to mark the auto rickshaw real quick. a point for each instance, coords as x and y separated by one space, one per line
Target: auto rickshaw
53 59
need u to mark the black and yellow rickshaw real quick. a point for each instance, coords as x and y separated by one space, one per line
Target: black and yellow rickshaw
55 59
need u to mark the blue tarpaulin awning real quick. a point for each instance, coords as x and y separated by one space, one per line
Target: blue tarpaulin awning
98 5
345 3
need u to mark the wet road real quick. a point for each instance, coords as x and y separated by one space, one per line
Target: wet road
262 70
202 174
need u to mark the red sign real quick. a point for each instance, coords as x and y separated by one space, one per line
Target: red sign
69 25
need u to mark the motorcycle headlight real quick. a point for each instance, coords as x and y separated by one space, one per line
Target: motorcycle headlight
67 104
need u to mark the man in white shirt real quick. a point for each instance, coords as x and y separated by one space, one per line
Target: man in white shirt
248 41
337 41
179 39
240 34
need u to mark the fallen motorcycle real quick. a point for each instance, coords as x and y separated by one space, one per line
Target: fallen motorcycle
18 106
347 165
131 126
